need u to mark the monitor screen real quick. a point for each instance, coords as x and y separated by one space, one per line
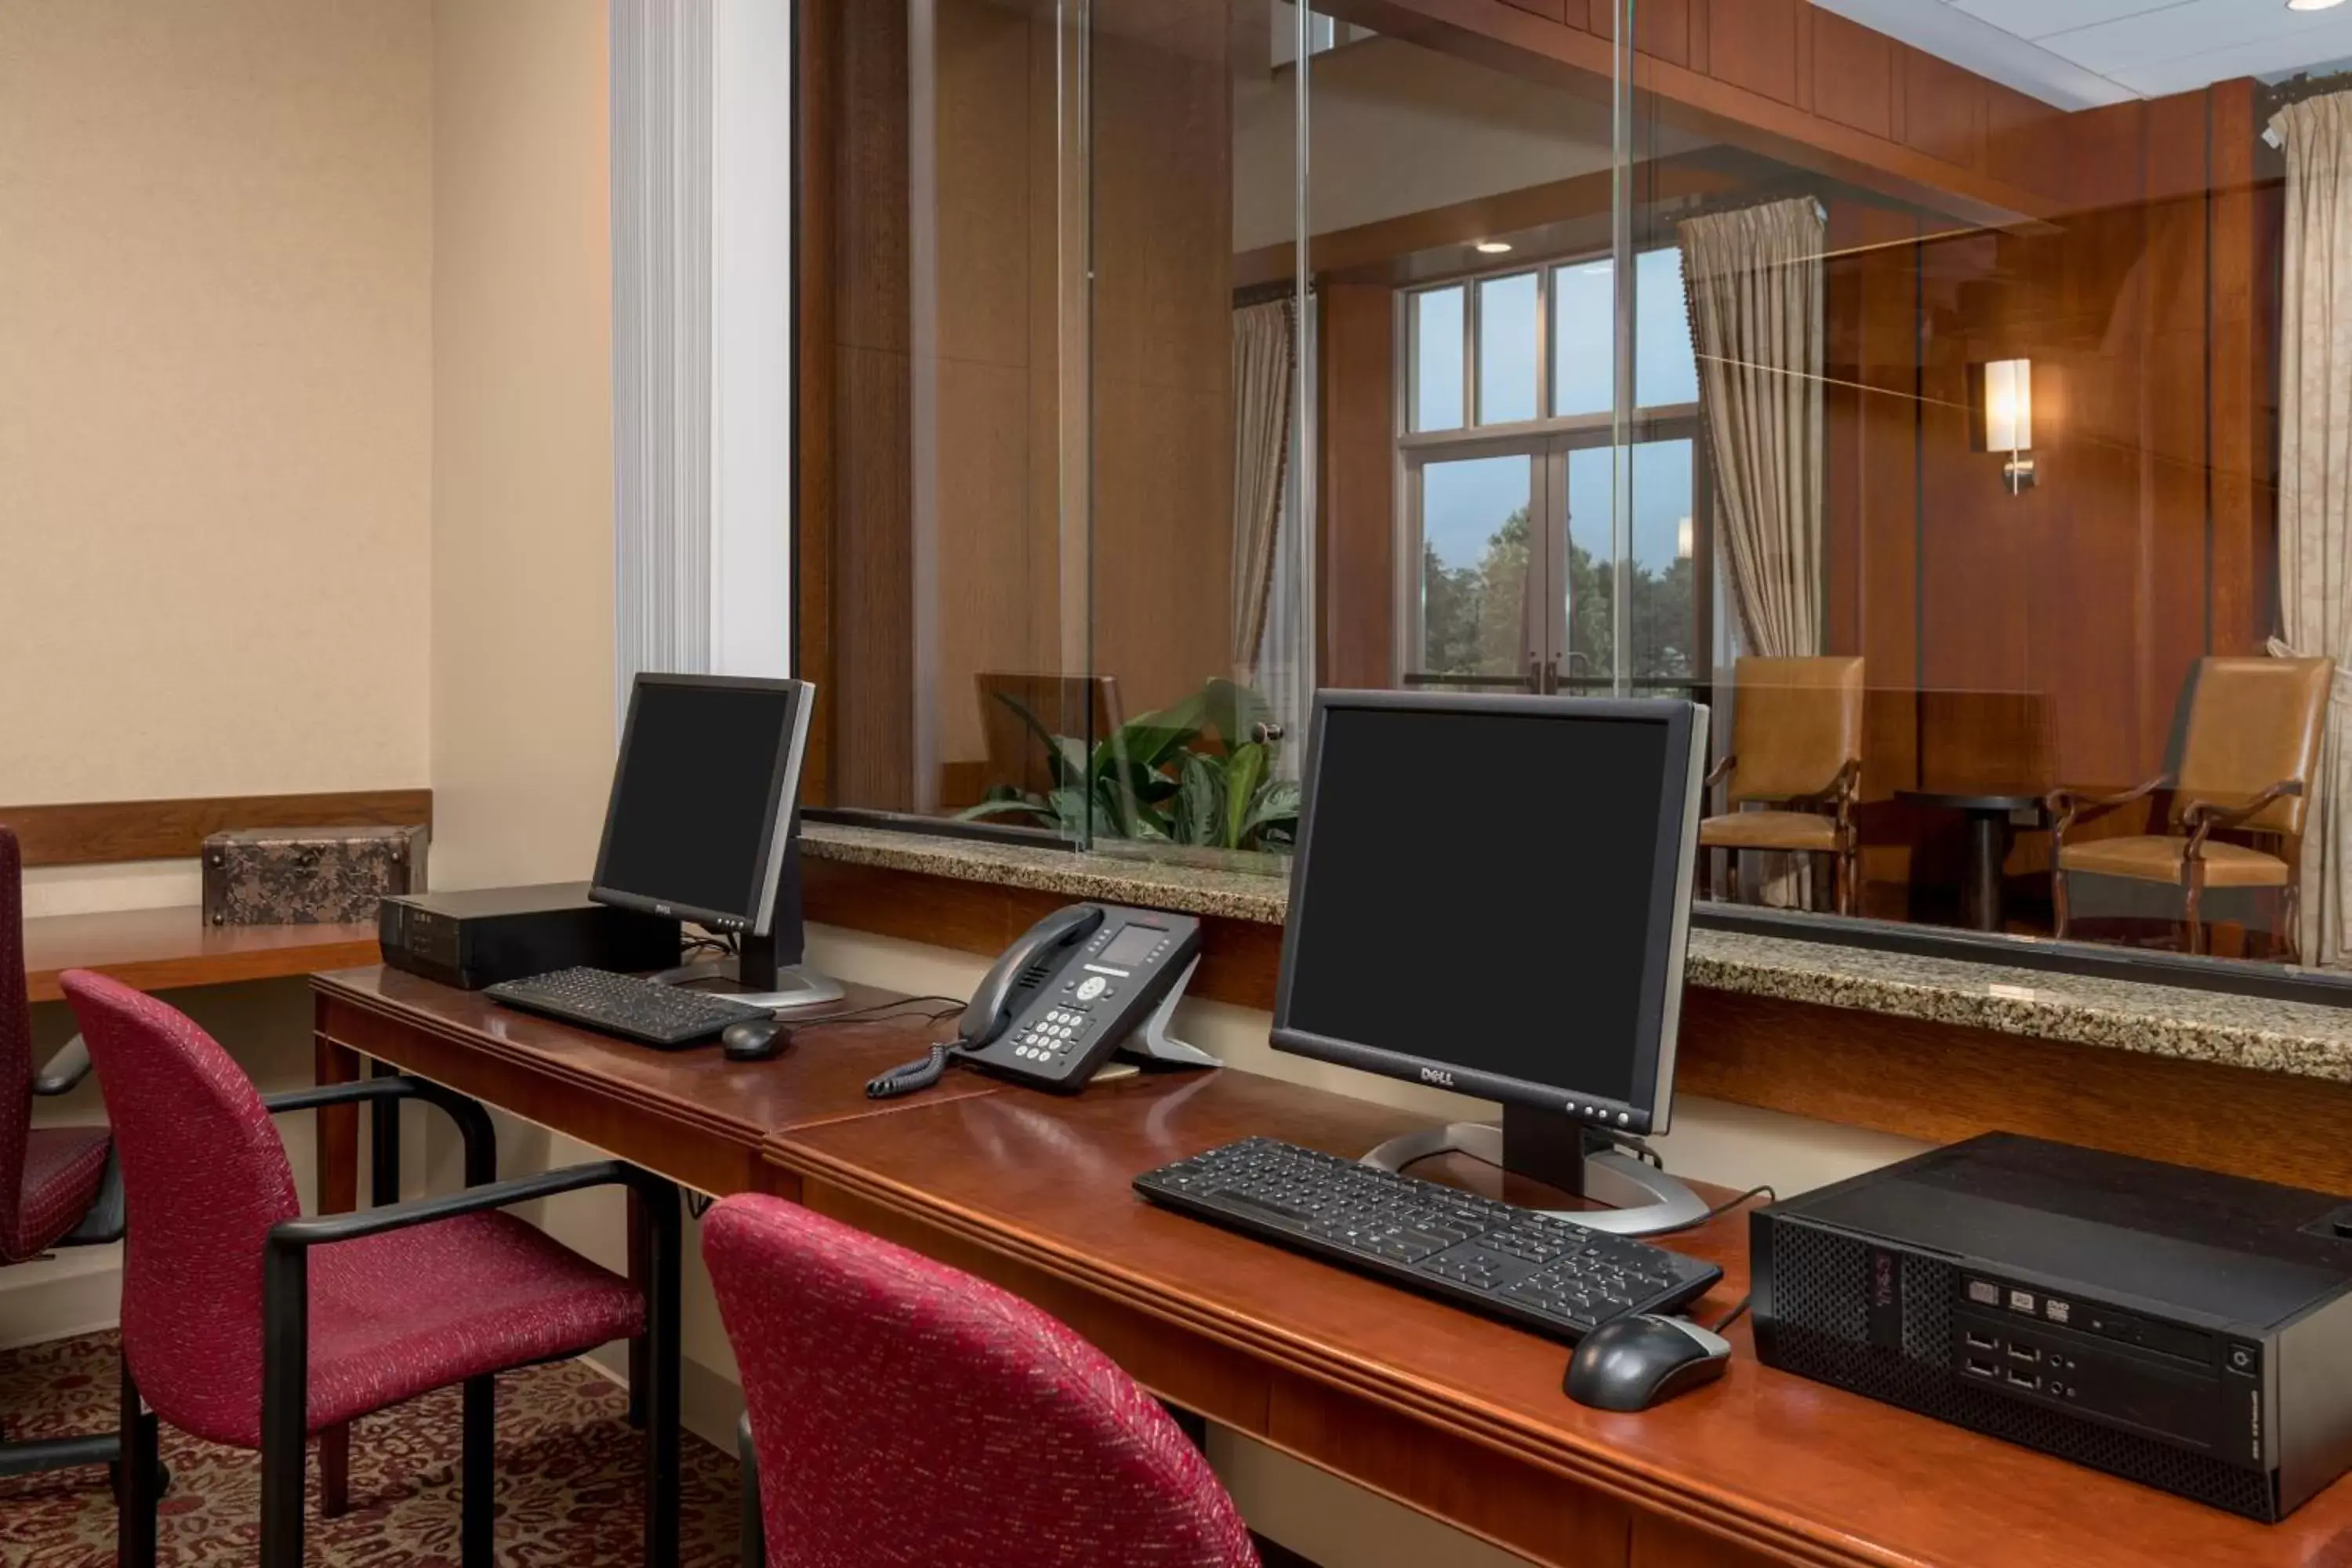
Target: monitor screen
707 768
1494 887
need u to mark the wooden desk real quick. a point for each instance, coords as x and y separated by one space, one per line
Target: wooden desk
160 949
692 1116
1450 1414
1458 1417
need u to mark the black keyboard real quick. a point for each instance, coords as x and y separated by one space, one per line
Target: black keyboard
626 1006
1535 1270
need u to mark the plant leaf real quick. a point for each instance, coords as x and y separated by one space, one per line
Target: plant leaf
1243 774
1199 801
1069 810
1273 815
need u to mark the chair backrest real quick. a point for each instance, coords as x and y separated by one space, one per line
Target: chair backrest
15 1040
904 1412
2253 722
1062 703
1795 722
205 1177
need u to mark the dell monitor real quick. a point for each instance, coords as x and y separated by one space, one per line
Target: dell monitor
702 824
1490 894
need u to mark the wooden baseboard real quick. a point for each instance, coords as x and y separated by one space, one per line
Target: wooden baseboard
100 832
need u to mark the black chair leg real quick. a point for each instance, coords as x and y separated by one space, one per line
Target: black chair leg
285 1402
663 1453
752 1551
138 1480
477 1494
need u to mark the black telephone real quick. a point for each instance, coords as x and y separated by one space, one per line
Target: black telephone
1078 985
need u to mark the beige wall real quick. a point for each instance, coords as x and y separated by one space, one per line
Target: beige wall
216 379
521 654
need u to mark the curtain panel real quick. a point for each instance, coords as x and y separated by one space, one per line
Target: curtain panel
1266 365
1754 277
2315 480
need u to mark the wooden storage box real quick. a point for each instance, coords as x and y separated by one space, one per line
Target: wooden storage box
309 876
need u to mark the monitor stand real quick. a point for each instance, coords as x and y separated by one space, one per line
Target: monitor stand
769 972
1565 1154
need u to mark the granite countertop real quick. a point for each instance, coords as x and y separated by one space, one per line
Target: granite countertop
2299 1037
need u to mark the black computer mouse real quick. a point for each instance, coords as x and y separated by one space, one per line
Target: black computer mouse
1640 1360
755 1040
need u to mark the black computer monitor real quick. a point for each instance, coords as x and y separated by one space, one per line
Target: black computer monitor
701 823
1490 894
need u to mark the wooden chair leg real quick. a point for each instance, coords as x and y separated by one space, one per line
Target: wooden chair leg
2291 919
2194 913
2059 910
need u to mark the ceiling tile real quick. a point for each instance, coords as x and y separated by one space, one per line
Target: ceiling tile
2272 56
2039 18
2207 27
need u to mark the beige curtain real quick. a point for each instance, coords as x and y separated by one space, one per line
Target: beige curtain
1756 312
1266 365
2315 477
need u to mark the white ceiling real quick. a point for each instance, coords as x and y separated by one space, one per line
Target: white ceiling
2077 53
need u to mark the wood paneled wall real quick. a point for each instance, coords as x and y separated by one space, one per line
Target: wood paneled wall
1016 424
1780 77
1163 436
2147 543
856 587
1356 613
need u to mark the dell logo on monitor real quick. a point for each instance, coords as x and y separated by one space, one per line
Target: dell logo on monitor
1437 1076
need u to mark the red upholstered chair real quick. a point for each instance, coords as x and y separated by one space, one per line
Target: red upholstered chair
245 1324
57 1185
903 1412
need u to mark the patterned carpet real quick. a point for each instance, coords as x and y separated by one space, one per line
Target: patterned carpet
568 1479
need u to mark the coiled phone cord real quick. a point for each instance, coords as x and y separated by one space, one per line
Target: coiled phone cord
910 1077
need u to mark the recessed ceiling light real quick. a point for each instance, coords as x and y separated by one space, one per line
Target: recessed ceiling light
2312 4
1503 247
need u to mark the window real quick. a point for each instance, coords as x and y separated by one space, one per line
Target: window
1522 578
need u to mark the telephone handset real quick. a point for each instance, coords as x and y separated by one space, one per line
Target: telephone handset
1085 981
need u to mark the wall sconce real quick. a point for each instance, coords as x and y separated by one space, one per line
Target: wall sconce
2004 418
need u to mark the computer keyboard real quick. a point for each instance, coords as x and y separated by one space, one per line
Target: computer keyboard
1536 1270
626 1006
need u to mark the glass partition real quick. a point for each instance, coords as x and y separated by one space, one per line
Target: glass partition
1942 404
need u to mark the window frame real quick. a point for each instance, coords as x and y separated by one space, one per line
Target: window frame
1547 441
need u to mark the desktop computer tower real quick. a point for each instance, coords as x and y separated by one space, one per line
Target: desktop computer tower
2179 1328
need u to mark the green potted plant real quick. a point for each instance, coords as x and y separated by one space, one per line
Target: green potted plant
1192 774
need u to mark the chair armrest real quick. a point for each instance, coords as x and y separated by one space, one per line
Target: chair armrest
1840 790
2204 817
480 1138
286 1267
2068 806
321 1230
1721 771
65 1069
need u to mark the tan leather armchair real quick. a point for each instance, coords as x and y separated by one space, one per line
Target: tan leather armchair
1796 750
2246 766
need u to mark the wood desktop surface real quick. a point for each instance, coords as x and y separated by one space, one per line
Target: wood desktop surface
689 1114
160 950
1451 1413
